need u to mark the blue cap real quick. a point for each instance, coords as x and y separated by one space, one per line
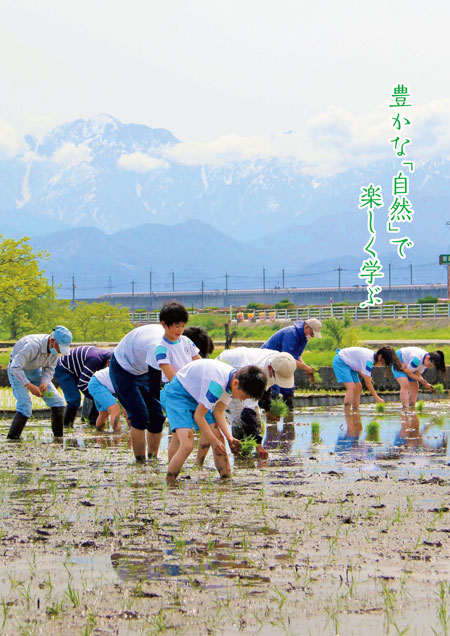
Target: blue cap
63 337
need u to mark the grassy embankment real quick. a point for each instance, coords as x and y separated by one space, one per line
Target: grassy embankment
321 352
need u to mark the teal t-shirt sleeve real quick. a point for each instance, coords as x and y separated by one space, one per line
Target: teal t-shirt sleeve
161 355
214 392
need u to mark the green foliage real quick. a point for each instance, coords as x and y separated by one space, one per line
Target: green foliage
279 408
247 446
22 285
427 300
373 430
380 407
335 329
315 433
439 389
260 306
420 406
99 322
284 304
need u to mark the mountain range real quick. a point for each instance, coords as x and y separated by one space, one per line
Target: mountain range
112 202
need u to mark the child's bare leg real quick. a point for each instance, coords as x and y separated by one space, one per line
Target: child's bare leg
221 461
101 420
202 451
174 445
186 441
404 391
413 391
114 418
153 442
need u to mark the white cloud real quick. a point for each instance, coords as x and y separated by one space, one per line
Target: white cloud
333 141
10 142
70 155
140 162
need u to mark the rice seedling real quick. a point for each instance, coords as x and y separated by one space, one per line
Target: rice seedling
420 406
278 408
439 389
247 445
373 431
315 433
380 407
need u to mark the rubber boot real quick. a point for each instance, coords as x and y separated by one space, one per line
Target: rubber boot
69 415
93 414
289 401
17 426
57 419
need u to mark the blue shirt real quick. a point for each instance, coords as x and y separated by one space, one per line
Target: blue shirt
291 339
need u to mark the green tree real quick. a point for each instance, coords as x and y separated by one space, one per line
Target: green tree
99 322
22 285
336 329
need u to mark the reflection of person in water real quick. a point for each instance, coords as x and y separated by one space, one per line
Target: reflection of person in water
283 439
411 437
349 439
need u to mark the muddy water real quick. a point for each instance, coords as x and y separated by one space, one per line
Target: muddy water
333 534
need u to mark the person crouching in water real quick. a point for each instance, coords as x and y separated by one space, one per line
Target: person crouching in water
30 370
350 362
199 387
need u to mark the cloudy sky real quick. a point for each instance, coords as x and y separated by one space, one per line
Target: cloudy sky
232 78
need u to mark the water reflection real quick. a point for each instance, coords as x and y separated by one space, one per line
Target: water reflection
348 435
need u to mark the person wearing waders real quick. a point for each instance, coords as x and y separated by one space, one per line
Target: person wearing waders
30 370
73 372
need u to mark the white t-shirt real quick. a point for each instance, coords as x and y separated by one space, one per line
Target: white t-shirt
358 359
177 354
413 357
244 356
208 381
104 378
136 351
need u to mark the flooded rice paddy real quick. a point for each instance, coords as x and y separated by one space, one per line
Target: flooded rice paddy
344 530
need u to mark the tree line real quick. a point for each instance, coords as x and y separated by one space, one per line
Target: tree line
28 303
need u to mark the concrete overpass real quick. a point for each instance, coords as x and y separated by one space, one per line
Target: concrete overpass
241 297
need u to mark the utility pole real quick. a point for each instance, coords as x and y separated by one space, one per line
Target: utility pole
73 290
264 279
109 285
282 277
53 284
173 280
339 270
226 289
150 287
410 273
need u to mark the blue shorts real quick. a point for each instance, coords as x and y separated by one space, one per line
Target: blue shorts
103 397
180 406
343 372
400 374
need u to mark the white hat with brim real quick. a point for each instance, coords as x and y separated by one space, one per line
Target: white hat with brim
283 367
315 325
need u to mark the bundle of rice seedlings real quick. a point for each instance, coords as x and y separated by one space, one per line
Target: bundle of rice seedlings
247 446
373 431
278 408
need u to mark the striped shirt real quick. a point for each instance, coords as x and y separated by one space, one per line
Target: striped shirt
83 362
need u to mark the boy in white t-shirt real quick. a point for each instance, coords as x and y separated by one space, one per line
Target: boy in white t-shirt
199 387
279 368
174 350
